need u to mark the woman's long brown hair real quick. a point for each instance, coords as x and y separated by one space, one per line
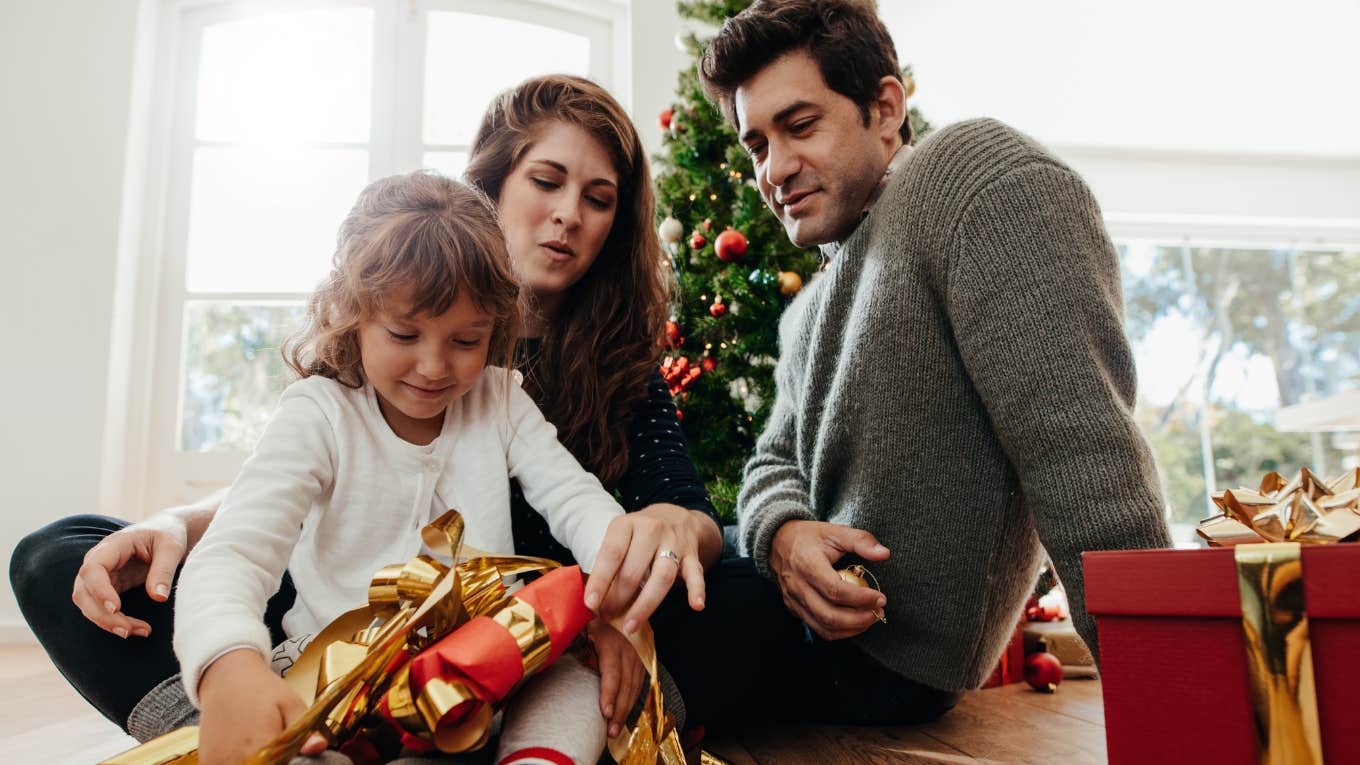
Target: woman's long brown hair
601 349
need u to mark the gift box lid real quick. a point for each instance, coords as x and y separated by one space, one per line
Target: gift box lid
1203 582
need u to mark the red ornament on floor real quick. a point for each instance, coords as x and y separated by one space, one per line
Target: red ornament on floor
1043 671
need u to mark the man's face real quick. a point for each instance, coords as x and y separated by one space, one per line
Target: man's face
815 161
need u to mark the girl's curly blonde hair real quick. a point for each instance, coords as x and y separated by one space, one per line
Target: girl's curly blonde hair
422 237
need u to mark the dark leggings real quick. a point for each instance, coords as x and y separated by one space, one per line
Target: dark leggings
112 673
742 659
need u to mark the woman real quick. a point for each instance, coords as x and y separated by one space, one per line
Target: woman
569 175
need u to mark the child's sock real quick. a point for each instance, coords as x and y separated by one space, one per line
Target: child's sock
555 719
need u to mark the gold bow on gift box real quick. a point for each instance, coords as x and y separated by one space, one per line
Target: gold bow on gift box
358 662
1266 529
1304 510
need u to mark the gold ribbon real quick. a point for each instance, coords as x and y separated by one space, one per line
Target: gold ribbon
1266 528
1279 654
346 670
653 737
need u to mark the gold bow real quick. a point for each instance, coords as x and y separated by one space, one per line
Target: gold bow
1267 529
348 668
1304 510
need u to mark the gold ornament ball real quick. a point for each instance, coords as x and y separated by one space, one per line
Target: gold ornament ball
789 283
910 85
856 575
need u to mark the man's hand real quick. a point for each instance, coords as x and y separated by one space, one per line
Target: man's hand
621 674
802 555
245 706
144 553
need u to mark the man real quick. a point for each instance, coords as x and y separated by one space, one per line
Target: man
955 392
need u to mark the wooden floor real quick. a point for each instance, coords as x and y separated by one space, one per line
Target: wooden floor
1010 725
43 721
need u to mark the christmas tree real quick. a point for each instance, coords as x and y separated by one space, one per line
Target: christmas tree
735 271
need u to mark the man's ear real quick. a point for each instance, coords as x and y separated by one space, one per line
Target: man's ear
889 107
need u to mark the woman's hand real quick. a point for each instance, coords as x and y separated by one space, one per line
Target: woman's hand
143 553
245 706
632 571
146 552
621 674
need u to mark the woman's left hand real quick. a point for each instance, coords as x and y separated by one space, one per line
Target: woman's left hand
633 571
621 674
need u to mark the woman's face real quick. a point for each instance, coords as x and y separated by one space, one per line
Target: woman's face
557 207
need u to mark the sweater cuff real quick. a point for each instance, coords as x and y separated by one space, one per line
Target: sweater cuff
592 532
759 531
194 660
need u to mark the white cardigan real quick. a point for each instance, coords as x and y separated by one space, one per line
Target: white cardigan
332 494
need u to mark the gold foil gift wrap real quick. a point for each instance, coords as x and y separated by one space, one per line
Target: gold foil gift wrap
348 669
378 672
1266 528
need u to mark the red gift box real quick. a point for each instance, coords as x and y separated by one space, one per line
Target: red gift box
1010 668
1173 664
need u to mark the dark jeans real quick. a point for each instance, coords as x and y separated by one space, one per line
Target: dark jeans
112 673
746 658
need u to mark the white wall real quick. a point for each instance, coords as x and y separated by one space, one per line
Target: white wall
65 76
1220 113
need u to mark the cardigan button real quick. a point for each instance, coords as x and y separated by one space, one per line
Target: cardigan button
431 465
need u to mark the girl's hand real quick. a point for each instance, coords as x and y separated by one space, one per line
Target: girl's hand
245 706
621 674
147 552
632 557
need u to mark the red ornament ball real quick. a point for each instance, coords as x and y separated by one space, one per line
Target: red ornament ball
665 118
1043 671
698 240
672 333
708 224
731 245
718 310
709 364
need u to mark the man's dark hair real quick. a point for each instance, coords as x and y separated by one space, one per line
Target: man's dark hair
845 37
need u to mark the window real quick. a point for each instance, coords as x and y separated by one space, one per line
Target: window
280 114
1225 337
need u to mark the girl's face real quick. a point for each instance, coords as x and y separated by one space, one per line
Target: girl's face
420 364
557 207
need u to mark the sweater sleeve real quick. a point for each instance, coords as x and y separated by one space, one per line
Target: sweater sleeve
1035 301
659 465
236 566
773 487
577 508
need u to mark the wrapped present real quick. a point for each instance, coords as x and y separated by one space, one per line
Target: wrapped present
1010 668
1244 652
1060 638
425 664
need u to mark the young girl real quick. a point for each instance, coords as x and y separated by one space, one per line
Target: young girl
402 412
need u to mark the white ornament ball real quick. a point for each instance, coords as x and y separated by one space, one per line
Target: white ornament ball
670 231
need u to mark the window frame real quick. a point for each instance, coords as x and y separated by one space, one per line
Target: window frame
142 468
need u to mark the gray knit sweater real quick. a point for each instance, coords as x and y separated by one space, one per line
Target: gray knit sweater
958 383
